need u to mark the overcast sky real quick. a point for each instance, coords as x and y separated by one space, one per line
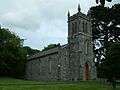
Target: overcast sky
41 22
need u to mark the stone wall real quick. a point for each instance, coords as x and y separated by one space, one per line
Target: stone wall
64 62
43 68
52 67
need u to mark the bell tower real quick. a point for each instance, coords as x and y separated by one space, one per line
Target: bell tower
80 46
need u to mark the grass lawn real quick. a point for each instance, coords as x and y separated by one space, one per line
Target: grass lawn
16 84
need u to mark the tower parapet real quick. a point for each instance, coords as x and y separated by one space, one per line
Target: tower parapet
79 23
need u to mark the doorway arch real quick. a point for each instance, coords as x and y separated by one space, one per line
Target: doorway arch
86 72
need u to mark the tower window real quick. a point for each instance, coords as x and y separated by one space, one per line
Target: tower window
86 27
72 29
79 25
83 27
75 27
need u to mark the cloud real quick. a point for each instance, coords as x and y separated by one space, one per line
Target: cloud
29 14
22 15
40 22
22 19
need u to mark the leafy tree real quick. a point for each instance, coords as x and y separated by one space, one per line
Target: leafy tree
106 29
111 64
29 51
12 56
50 46
102 2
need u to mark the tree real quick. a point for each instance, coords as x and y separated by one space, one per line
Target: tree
50 46
29 51
111 65
102 2
12 56
106 29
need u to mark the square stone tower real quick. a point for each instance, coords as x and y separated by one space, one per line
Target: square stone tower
81 62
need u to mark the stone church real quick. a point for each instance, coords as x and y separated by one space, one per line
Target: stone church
70 62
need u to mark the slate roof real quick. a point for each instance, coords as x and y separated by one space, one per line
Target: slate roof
64 46
43 53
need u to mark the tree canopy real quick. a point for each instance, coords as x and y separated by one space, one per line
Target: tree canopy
102 2
50 46
106 27
110 67
29 51
111 64
12 54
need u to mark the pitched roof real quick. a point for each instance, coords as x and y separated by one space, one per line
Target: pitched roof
43 53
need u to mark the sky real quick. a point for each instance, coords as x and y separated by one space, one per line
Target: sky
41 22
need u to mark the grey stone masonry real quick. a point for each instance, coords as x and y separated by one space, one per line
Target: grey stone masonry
70 62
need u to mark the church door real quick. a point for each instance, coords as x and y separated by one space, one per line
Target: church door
86 72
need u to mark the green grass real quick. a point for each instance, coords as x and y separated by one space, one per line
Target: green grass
16 84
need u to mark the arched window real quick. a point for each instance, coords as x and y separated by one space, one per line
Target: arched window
79 26
39 65
86 27
86 47
72 31
50 64
83 27
75 27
